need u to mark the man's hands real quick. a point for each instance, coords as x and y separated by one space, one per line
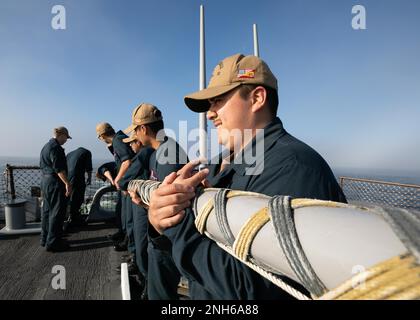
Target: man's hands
169 201
116 183
89 179
124 167
63 177
135 198
108 176
69 189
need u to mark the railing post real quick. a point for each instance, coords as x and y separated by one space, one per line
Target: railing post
341 182
9 170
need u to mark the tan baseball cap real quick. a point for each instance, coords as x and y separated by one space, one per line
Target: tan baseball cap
229 74
144 113
130 138
61 130
102 128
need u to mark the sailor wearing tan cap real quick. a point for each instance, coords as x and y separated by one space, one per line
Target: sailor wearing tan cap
55 188
122 155
139 169
242 95
168 157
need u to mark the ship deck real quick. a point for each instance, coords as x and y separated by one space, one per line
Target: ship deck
90 267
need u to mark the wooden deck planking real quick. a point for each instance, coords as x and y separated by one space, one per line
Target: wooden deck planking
90 263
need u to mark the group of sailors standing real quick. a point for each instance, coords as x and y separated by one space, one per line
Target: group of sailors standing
162 240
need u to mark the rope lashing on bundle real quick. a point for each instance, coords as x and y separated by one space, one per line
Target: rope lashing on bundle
281 214
406 226
395 278
143 188
274 278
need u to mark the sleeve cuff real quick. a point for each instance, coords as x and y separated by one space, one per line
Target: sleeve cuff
125 158
157 240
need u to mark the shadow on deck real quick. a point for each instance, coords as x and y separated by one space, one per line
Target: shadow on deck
90 263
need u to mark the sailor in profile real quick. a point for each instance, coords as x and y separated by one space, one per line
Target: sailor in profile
168 157
55 188
242 95
122 155
139 169
79 164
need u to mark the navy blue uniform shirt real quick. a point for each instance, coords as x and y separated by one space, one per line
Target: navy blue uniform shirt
79 162
139 168
52 159
120 149
169 157
290 167
109 166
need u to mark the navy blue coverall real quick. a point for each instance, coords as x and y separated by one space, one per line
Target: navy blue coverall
122 152
139 169
79 162
112 168
52 161
163 275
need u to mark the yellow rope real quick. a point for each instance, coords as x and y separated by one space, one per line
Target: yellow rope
204 212
390 279
360 277
411 293
302 203
268 275
236 193
394 287
246 235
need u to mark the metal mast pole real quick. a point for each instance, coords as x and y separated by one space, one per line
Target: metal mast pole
202 85
256 47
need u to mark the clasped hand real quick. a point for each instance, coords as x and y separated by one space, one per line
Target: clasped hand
169 201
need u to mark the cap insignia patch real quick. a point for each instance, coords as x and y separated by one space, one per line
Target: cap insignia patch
246 74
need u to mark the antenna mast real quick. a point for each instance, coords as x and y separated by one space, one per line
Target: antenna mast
202 85
256 47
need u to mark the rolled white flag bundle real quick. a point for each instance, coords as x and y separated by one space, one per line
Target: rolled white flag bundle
335 250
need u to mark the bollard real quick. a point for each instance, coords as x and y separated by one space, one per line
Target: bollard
15 214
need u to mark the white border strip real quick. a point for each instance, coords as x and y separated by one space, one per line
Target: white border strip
125 284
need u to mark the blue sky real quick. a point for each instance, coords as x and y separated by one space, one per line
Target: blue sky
353 95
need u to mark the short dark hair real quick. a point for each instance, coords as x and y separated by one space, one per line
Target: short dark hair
272 96
155 127
109 132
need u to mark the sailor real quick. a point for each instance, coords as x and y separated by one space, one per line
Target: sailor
139 169
242 94
55 188
122 155
168 157
79 164
107 172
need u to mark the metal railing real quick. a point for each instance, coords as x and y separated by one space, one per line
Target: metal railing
25 182
22 181
393 194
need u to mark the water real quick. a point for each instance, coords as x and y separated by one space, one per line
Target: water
409 198
392 175
32 161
